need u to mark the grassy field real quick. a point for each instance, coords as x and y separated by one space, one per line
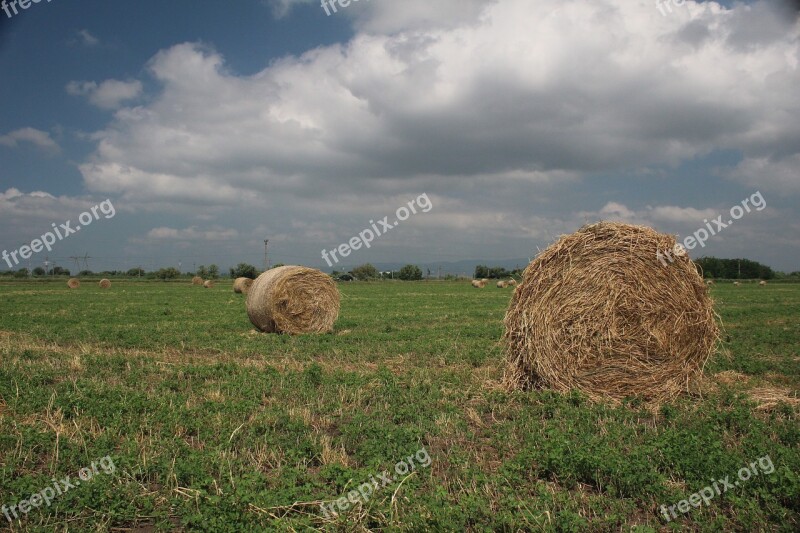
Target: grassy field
213 427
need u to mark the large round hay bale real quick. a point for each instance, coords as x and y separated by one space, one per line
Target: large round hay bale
105 283
242 285
293 299
73 283
511 283
197 280
762 283
501 284
598 312
208 284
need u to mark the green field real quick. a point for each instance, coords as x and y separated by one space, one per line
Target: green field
214 427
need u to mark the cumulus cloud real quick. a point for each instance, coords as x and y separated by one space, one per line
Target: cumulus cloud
87 39
191 234
109 94
38 138
524 87
476 102
19 209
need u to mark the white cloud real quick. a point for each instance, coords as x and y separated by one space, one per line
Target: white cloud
669 213
36 137
109 94
192 234
87 39
778 172
488 105
455 102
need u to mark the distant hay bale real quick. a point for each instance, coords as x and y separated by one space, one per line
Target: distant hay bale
512 282
485 280
596 311
105 284
293 299
197 280
242 285
501 284
709 282
762 282
73 283
208 284
478 283
736 284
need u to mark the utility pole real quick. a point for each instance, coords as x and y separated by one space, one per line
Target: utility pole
266 257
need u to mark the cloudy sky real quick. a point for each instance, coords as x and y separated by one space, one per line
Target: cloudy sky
211 126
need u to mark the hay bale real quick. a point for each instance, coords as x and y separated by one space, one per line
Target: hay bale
736 283
485 280
208 284
501 284
762 283
197 280
293 299
73 283
596 311
105 284
242 285
709 282
478 283
511 283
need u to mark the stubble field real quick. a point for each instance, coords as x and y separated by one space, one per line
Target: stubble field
212 426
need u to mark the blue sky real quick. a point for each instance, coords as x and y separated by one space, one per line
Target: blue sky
211 126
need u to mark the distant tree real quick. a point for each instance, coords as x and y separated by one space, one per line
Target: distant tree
168 273
21 273
59 271
714 267
497 273
243 270
38 271
276 265
85 273
135 272
213 272
410 273
364 272
202 271
481 271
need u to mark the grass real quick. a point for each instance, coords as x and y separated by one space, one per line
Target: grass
212 427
